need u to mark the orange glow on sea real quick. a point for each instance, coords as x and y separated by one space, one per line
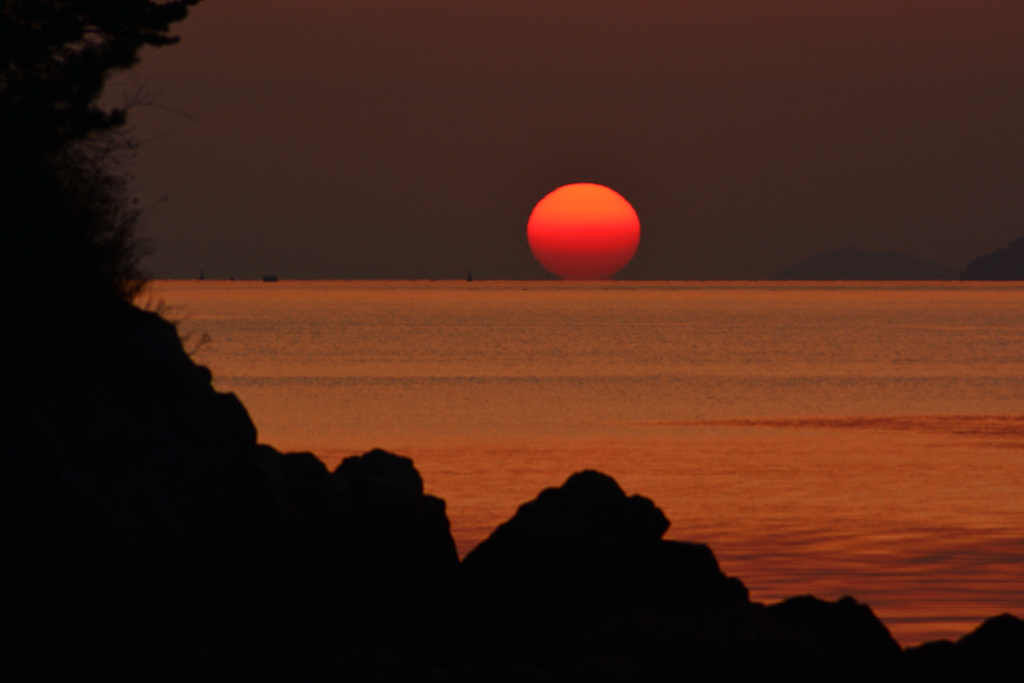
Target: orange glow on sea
861 439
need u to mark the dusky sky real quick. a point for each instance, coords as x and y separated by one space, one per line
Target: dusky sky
390 139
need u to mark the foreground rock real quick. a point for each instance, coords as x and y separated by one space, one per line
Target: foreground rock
992 652
146 535
1002 264
585 550
583 580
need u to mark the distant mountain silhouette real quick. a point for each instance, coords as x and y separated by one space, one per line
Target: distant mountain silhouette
850 263
1002 264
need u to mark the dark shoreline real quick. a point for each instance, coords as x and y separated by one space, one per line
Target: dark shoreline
149 537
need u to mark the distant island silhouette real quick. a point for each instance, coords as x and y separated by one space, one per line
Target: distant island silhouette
147 535
1002 264
850 263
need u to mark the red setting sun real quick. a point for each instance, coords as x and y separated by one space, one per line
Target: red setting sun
583 232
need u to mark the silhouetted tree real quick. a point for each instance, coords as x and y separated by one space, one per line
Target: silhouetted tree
69 229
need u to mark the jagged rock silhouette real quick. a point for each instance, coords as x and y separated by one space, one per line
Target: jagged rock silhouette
147 535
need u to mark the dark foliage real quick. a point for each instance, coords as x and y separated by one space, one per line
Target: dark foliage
69 228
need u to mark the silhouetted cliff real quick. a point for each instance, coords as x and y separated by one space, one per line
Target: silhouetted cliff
1002 264
849 263
146 535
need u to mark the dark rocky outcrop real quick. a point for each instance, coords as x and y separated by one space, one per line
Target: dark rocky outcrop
844 631
587 550
146 535
849 263
405 532
153 534
582 569
1002 264
992 652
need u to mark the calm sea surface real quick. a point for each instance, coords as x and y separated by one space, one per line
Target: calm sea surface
863 439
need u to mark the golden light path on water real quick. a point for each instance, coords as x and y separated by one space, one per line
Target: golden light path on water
833 439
